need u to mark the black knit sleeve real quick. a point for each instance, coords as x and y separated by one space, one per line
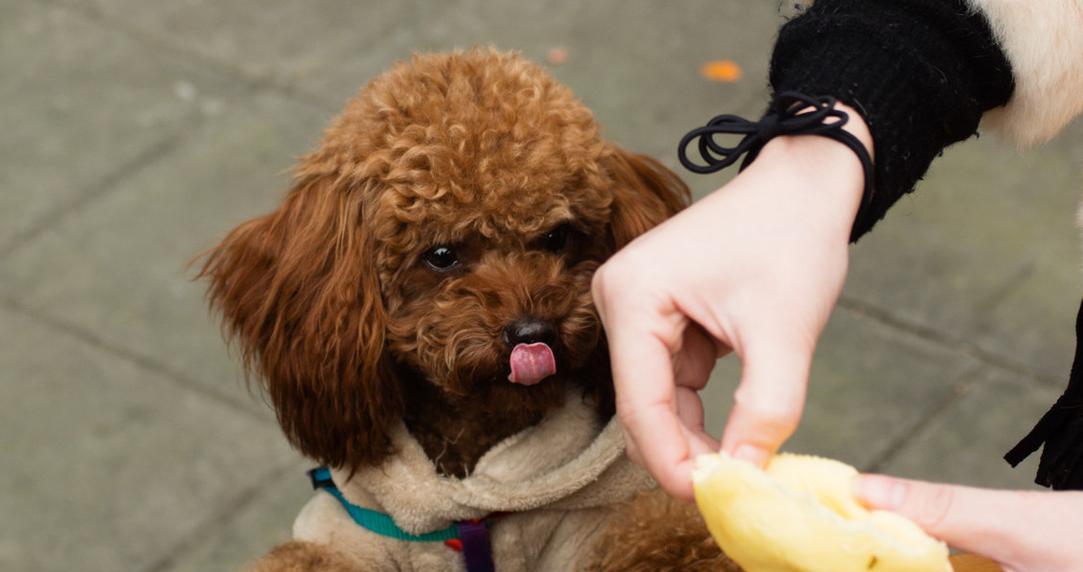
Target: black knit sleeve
921 73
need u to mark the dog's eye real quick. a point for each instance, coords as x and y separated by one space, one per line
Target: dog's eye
556 239
441 258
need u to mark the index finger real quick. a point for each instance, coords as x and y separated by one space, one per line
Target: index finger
646 403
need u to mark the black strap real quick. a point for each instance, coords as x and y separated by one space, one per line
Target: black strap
1060 430
788 114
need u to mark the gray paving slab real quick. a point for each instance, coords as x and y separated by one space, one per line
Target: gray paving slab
138 132
265 521
111 465
280 42
1072 138
1034 322
869 389
80 107
117 270
985 252
636 63
966 442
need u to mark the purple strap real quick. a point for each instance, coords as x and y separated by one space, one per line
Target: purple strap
477 552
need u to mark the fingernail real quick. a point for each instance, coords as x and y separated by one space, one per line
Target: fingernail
751 453
879 491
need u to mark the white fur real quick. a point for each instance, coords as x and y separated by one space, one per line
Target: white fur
1043 40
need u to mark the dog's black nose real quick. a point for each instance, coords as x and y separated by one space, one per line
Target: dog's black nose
529 331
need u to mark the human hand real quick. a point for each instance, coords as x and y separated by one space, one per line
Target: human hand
756 268
1023 531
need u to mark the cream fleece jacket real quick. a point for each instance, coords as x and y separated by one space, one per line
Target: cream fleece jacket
558 479
1043 40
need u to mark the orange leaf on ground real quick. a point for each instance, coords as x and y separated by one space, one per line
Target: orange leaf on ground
726 71
557 56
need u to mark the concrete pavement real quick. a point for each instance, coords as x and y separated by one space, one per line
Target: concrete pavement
136 133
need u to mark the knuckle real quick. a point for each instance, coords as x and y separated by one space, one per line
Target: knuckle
779 422
598 281
623 268
933 506
629 417
602 284
774 416
632 451
597 285
673 489
607 273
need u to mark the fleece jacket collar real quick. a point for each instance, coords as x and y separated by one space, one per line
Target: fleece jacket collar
568 461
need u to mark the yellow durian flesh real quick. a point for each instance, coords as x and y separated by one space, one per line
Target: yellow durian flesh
800 515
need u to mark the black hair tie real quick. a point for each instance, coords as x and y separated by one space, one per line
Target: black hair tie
783 117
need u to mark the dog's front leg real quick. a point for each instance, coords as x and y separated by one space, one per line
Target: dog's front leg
303 557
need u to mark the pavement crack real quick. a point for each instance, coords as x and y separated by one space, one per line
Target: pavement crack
248 79
150 364
110 181
937 337
1009 285
961 387
219 519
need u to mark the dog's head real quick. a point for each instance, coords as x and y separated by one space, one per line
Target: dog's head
447 226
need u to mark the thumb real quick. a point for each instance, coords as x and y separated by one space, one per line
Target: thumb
768 403
982 521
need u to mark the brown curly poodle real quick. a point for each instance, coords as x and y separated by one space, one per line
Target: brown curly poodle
423 292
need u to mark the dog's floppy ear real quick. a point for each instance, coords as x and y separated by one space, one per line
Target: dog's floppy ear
298 292
645 193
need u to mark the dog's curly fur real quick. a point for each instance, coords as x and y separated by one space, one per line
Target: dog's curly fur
334 306
335 300
654 533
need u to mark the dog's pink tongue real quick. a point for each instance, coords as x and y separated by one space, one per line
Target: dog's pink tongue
531 363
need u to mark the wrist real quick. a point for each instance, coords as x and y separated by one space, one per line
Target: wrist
820 175
833 169
855 125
